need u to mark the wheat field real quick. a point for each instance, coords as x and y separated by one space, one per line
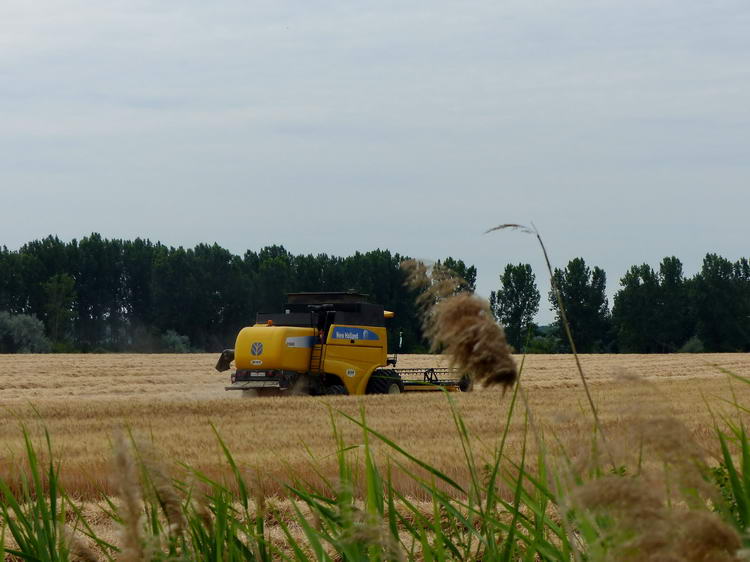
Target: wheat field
174 401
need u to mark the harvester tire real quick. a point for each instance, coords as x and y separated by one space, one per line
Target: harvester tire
393 388
337 389
385 381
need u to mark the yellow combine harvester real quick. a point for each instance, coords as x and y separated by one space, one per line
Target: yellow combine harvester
326 343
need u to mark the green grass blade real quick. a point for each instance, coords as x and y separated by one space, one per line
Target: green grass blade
299 554
325 511
373 480
409 456
312 536
510 541
738 492
241 486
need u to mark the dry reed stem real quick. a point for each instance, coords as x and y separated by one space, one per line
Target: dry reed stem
201 509
564 322
367 529
164 490
131 509
198 494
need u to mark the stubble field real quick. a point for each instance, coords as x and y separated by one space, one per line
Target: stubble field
175 401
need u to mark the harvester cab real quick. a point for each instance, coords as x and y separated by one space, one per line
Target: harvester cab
325 343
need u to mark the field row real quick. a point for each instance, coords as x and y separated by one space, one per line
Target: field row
175 400
35 378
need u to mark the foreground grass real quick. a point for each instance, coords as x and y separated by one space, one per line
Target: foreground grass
659 495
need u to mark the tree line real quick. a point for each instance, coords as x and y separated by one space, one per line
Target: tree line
101 294
98 294
654 311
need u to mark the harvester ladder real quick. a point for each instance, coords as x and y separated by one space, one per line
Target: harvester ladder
316 358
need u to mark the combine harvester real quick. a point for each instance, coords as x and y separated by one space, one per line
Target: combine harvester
326 343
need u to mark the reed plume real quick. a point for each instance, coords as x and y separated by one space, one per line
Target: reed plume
77 548
644 527
665 510
166 494
461 324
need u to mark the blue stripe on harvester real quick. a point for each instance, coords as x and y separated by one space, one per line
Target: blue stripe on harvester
347 333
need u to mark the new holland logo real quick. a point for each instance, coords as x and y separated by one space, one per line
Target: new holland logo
256 348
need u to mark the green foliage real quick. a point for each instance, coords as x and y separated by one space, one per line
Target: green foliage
693 345
468 274
516 303
172 342
676 319
34 515
60 293
720 295
63 347
651 311
583 292
22 333
635 311
122 295
543 344
720 478
100 294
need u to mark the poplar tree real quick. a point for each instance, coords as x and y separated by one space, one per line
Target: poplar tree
516 303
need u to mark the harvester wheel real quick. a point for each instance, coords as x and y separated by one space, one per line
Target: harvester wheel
336 389
384 381
394 388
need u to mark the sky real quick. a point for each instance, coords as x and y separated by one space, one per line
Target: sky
620 129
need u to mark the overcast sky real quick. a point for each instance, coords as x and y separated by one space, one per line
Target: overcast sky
621 129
